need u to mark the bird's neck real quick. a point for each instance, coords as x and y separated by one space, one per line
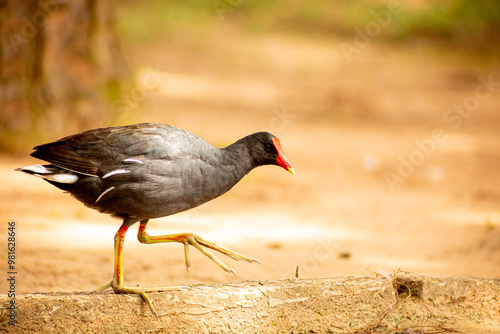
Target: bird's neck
238 156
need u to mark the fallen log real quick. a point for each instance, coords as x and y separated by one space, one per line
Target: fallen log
403 303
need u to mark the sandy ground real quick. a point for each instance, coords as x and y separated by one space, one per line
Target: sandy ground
396 153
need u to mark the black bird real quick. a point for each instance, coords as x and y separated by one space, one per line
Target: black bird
149 170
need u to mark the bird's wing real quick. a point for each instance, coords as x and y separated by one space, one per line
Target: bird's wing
96 152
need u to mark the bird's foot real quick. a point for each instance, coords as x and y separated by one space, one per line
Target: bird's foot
132 290
198 242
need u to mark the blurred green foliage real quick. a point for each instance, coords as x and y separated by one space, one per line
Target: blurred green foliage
470 25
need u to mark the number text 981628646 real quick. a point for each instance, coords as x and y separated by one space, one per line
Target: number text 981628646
11 270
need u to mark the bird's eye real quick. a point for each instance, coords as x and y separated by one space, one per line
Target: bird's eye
269 146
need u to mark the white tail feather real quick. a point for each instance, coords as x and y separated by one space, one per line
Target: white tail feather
61 178
50 174
37 169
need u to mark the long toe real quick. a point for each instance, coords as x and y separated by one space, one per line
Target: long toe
137 291
102 288
226 251
198 242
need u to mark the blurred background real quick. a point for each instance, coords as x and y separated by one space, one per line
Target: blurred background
388 111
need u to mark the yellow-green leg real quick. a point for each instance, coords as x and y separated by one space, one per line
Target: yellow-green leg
117 282
185 238
195 241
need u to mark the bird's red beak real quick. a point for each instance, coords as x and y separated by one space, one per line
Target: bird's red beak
281 160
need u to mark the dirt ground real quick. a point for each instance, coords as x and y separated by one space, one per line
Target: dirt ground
396 153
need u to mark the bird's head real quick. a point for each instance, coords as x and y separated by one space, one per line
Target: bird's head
265 149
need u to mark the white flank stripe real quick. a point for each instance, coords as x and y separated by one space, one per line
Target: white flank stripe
104 193
118 171
134 161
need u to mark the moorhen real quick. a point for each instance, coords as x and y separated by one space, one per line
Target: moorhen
149 170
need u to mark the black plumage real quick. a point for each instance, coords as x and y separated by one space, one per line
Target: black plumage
151 170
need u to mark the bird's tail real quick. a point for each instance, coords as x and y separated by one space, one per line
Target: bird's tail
59 177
